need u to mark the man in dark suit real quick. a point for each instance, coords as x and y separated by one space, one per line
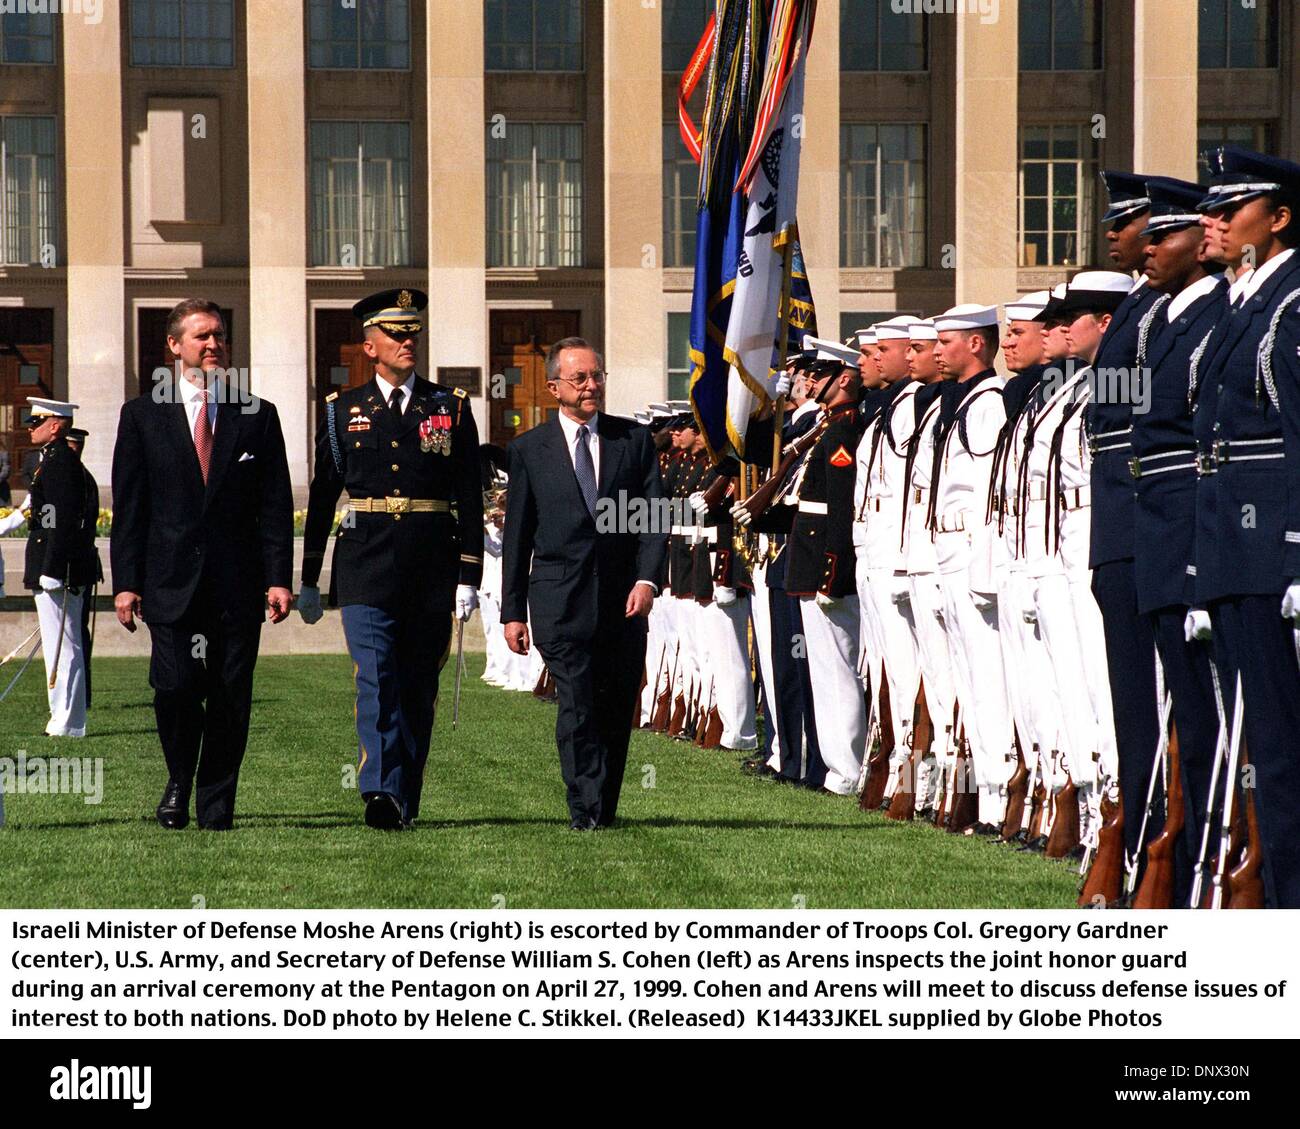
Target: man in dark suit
581 488
202 548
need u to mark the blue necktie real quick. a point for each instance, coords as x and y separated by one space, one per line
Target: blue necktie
585 469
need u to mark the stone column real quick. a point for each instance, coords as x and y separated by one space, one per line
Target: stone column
98 372
985 159
277 221
1164 87
633 228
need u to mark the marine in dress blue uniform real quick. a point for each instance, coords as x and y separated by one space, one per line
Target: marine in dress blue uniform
408 549
1108 421
1247 562
1191 297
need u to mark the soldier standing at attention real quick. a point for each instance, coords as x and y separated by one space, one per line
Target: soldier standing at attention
409 548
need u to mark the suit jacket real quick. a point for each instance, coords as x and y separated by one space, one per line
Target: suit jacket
169 529
1109 420
580 575
1165 488
61 528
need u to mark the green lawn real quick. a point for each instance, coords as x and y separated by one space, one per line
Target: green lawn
494 830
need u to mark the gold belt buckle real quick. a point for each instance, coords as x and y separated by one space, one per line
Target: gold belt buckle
397 505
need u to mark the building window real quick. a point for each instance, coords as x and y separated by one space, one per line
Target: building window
1060 35
679 356
1058 175
1236 34
532 35
684 22
182 33
875 36
361 194
534 195
882 198
26 37
29 207
1210 135
681 183
365 35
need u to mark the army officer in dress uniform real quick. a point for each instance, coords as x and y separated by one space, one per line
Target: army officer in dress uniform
409 547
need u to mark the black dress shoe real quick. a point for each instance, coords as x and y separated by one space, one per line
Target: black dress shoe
584 823
173 809
383 813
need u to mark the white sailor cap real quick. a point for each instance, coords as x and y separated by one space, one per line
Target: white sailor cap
895 329
42 409
968 315
923 330
1028 306
828 350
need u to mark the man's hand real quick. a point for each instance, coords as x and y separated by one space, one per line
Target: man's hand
127 606
1197 624
639 600
1290 602
51 584
309 605
278 603
516 633
466 601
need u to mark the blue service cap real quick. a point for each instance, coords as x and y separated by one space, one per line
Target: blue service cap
1173 204
1242 174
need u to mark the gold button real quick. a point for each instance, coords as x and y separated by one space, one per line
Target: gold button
395 467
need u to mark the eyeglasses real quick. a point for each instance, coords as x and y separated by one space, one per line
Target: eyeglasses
582 379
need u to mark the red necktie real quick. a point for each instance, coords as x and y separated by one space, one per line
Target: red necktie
203 438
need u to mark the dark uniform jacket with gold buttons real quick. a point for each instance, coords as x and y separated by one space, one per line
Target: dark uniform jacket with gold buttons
820 553
61 525
406 555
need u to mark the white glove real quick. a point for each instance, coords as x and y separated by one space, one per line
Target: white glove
902 592
1197 623
309 605
723 597
740 515
782 386
698 504
466 601
1291 601
49 584
825 601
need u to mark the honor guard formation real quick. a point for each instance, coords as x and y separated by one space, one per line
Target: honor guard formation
1058 609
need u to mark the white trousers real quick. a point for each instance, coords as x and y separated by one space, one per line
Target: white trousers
832 636
724 633
972 622
68 697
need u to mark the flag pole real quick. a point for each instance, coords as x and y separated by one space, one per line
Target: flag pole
783 314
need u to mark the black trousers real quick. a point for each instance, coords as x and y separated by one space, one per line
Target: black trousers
1255 641
1190 682
596 683
1131 665
201 671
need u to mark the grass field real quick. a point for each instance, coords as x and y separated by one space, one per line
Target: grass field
493 830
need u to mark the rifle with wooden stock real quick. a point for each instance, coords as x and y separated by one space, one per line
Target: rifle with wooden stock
873 791
1157 888
903 804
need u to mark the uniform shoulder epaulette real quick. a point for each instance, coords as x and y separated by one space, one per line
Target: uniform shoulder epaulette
331 397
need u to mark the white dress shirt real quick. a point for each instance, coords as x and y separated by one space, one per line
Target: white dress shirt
408 390
570 429
192 395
